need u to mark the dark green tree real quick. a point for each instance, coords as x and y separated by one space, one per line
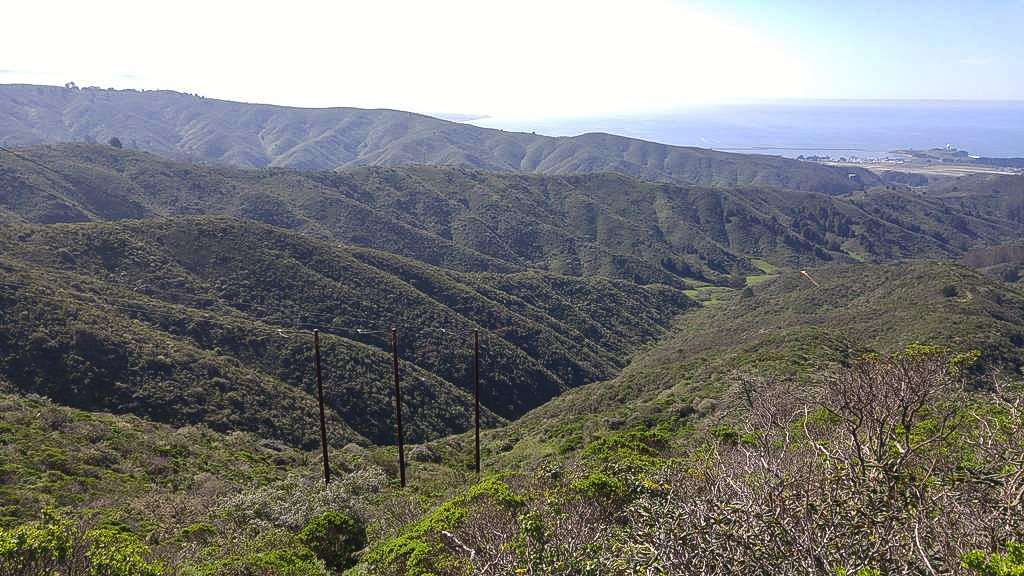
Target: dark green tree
335 538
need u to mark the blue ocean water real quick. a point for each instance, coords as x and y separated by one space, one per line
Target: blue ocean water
864 128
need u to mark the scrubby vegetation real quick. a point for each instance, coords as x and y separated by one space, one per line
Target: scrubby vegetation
604 225
665 389
790 326
909 463
54 546
194 320
727 444
104 495
891 465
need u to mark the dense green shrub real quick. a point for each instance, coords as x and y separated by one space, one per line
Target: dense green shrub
600 486
277 553
1009 564
335 538
115 553
53 546
35 548
629 454
416 551
199 532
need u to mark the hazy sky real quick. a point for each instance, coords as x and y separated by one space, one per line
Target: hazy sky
528 58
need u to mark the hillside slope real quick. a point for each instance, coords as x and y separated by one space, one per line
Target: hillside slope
56 456
789 327
208 320
162 500
189 127
588 225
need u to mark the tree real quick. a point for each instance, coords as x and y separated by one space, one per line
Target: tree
115 142
335 538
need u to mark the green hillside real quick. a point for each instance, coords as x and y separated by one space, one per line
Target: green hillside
664 364
59 456
884 465
787 326
208 320
585 479
985 196
712 449
594 225
121 495
193 128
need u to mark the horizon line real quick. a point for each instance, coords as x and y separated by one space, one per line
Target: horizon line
475 116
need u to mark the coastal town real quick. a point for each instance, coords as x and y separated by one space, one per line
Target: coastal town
945 161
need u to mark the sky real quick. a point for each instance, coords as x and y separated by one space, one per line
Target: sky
522 58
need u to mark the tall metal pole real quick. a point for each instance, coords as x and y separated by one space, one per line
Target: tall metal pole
320 397
476 393
398 406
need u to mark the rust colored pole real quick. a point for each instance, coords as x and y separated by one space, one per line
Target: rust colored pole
476 394
320 397
398 406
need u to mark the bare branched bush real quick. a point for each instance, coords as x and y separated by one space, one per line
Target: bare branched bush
887 466
564 536
292 502
876 476
483 540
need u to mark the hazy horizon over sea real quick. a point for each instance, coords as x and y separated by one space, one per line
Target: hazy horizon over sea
864 128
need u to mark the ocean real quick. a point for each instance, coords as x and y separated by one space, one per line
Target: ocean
862 128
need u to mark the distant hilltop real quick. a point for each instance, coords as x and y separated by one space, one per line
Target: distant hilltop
951 155
187 127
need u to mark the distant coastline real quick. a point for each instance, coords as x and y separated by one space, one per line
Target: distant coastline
793 128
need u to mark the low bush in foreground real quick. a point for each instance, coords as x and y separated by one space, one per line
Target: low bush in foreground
888 466
56 546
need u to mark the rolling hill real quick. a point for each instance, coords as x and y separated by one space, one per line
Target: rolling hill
586 225
787 327
156 364
188 127
999 196
199 319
